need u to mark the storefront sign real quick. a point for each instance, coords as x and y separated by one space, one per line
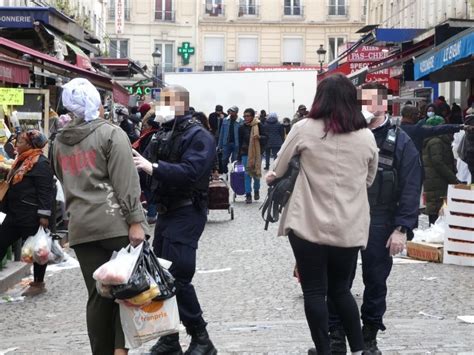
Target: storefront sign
277 68
10 96
185 51
459 47
367 54
138 90
16 18
119 16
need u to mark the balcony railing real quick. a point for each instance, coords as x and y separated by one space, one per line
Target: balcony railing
213 66
212 10
338 10
168 16
250 10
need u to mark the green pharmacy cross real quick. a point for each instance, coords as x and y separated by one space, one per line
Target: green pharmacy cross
185 52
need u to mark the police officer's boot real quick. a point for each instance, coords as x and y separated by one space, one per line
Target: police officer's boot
369 332
200 342
167 345
337 341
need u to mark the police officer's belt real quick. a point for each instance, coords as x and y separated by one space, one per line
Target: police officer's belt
161 208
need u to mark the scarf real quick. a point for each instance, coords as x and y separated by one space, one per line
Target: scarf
254 163
22 164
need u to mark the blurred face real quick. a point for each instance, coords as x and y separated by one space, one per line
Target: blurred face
233 114
302 111
248 118
373 101
22 145
174 100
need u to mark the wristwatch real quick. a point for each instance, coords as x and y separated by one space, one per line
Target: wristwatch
401 229
155 165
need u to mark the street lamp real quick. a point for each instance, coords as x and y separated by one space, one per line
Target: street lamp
321 57
157 74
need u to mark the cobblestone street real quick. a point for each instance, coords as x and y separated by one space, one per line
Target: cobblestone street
252 302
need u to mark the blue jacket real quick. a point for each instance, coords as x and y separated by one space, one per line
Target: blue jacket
409 170
224 131
420 131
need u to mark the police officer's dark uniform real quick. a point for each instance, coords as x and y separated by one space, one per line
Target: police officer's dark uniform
183 154
394 204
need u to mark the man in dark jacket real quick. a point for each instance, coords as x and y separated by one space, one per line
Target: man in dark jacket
180 158
275 133
215 120
419 131
394 203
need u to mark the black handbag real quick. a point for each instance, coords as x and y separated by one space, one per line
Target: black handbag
279 192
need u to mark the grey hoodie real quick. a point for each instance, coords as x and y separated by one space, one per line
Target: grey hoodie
93 160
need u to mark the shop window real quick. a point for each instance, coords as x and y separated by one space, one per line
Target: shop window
333 47
213 55
293 53
293 8
118 48
164 10
112 10
167 55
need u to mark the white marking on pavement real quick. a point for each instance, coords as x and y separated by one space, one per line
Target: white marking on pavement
213 271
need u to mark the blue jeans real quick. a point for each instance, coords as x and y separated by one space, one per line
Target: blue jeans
248 178
229 150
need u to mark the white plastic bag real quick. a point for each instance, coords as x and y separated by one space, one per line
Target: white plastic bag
149 322
57 254
42 246
27 250
118 269
434 234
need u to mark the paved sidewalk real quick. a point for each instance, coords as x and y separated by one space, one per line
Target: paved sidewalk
254 305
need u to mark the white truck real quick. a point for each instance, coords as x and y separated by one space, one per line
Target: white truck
278 91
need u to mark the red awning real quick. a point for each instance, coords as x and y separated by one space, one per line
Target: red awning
8 46
14 71
120 94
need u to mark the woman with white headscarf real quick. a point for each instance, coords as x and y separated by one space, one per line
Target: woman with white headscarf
93 160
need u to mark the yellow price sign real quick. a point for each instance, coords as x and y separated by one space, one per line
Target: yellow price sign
9 96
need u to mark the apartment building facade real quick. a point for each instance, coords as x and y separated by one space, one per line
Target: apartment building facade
234 34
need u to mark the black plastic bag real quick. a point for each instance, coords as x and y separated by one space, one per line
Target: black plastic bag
139 281
162 277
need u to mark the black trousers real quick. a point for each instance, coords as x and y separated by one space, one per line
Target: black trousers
176 239
9 234
270 152
376 267
326 271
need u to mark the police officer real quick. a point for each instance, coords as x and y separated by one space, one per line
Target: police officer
179 160
394 203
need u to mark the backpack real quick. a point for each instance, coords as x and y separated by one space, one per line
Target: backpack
279 192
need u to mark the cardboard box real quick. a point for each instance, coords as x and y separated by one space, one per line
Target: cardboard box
425 251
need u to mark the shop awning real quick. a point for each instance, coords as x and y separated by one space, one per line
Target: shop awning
82 60
54 65
120 94
14 71
449 52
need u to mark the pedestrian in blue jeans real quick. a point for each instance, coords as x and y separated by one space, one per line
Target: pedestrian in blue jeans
229 137
252 140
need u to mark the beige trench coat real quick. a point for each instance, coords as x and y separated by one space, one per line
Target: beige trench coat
329 204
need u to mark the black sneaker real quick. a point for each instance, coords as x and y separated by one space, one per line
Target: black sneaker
248 198
369 332
167 345
337 342
256 195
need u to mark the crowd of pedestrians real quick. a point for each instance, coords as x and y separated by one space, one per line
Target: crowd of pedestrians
345 201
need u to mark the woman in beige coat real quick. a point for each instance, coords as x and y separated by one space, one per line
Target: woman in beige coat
327 217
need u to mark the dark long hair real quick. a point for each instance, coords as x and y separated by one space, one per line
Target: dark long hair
336 103
201 117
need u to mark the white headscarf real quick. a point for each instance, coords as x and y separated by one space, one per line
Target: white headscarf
82 98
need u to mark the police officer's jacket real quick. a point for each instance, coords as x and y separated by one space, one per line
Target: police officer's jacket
402 205
185 153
